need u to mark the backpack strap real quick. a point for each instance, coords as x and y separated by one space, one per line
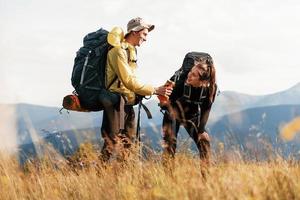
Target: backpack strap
115 78
128 55
84 67
128 60
138 126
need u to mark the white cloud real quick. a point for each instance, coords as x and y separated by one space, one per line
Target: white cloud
249 40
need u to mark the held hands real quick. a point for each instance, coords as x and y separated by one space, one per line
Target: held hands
163 93
165 90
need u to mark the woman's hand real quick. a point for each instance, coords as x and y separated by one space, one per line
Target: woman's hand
204 136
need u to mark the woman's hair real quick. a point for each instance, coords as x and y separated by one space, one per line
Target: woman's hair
208 74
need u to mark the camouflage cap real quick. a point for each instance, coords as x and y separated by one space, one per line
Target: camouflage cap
137 24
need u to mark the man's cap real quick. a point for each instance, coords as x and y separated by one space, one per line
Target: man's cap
137 24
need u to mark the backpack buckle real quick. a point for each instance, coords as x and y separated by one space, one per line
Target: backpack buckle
187 91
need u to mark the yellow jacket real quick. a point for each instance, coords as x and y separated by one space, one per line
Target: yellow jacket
119 65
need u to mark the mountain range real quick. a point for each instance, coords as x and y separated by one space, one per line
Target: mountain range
49 118
236 115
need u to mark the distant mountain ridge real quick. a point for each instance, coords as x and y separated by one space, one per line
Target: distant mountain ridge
263 120
48 118
229 102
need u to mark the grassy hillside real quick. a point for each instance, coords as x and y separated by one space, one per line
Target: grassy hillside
149 179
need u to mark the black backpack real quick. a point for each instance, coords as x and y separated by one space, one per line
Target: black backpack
88 76
180 89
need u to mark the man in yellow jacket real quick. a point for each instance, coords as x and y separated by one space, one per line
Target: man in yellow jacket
123 84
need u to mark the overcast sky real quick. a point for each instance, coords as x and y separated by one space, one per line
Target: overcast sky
254 43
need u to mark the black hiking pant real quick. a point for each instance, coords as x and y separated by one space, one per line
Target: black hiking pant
185 114
117 125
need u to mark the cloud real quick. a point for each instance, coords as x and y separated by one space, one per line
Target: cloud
248 40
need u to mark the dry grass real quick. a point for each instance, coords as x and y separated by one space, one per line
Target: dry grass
84 177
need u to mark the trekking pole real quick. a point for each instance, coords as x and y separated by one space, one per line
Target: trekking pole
138 128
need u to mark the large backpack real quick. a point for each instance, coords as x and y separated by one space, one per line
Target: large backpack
181 89
88 76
